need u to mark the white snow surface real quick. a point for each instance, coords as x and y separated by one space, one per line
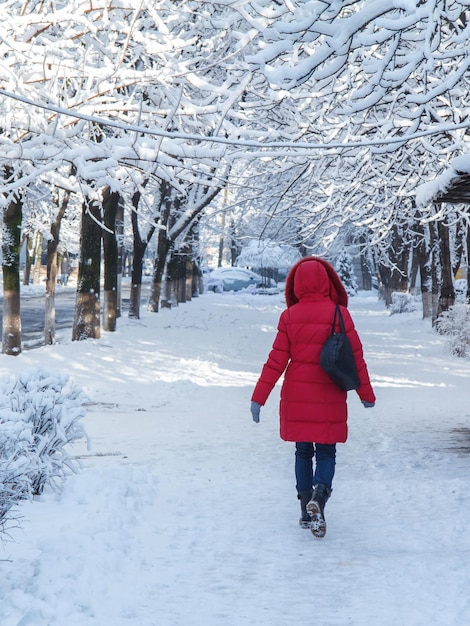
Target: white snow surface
185 511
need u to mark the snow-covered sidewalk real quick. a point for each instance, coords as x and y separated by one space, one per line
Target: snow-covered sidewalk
185 512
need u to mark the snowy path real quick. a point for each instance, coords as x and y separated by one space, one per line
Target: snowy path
185 512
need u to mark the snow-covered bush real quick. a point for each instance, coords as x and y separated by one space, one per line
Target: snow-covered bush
40 413
345 269
14 487
402 303
455 324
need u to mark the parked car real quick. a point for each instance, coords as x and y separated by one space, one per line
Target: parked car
236 279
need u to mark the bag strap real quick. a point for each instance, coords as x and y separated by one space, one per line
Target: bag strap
341 320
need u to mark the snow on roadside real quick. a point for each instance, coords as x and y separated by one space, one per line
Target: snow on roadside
185 511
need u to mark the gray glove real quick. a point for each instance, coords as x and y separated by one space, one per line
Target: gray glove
255 409
368 405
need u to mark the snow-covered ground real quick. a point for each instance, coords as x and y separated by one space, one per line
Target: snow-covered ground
185 512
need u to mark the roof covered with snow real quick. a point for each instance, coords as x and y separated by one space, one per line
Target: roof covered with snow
453 185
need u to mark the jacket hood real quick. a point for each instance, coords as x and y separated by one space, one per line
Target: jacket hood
314 275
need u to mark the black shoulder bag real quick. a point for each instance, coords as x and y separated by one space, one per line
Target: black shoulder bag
337 358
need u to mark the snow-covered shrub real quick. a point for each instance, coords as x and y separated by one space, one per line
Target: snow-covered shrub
402 303
14 487
455 324
40 413
344 267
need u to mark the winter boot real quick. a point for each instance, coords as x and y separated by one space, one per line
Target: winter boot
316 510
304 497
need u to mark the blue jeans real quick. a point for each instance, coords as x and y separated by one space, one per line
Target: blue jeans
325 454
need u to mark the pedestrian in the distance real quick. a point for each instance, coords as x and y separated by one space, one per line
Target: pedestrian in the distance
65 269
313 409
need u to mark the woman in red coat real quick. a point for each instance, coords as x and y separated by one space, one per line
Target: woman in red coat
313 409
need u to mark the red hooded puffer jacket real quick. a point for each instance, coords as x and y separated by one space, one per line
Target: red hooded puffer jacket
312 407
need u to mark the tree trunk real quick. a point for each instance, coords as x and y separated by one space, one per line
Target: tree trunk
434 257
163 247
168 297
458 247
385 289
33 249
190 269
37 257
423 261
111 264
87 305
136 282
196 282
400 256
156 286
120 238
51 276
49 314
137 261
235 248
365 270
394 275
52 264
221 243
140 246
11 246
181 277
447 293
28 260
413 273
468 265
